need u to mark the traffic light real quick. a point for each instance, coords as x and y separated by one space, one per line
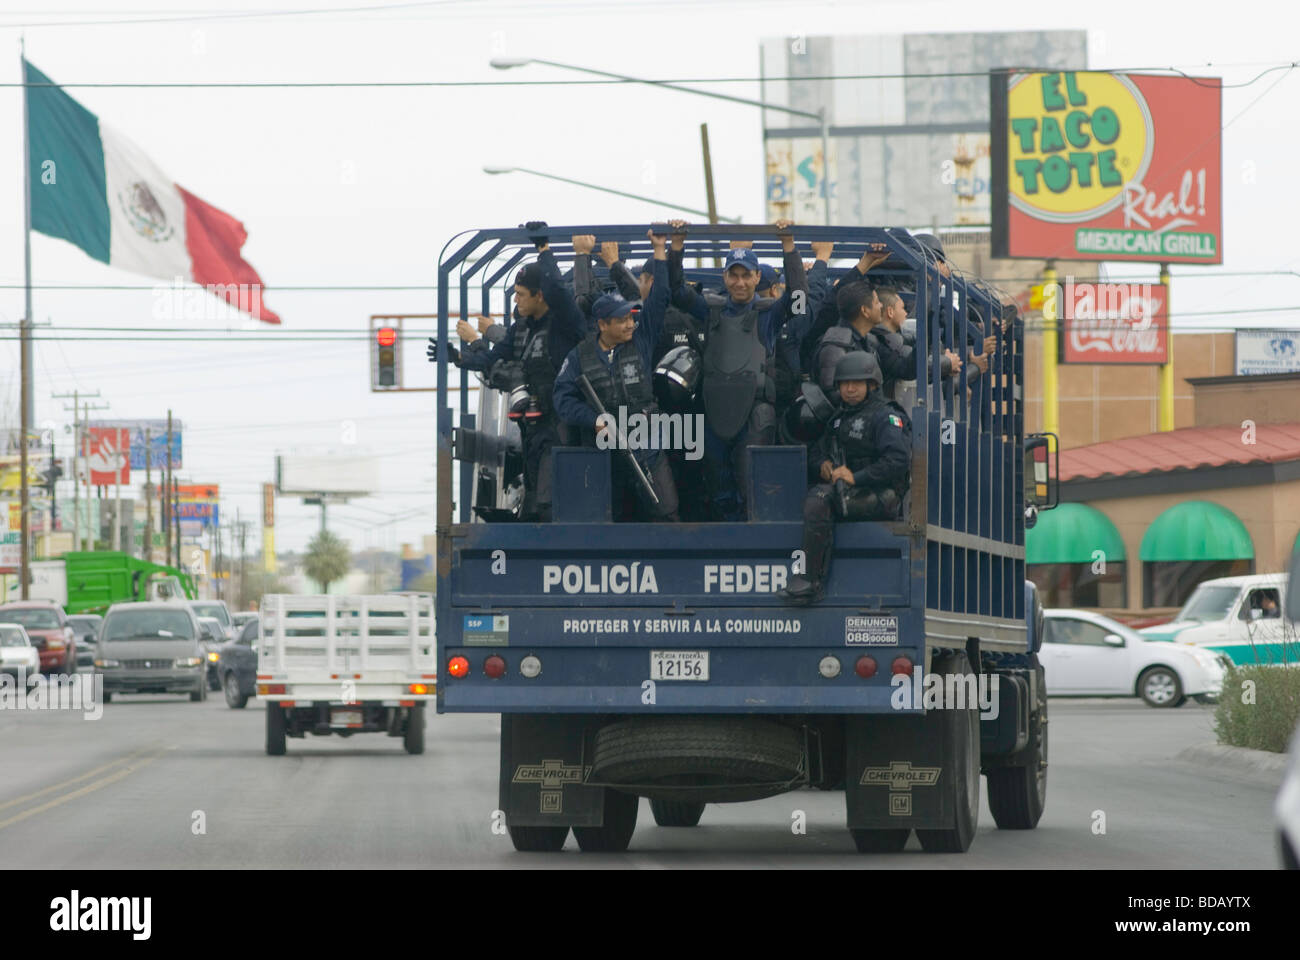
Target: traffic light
385 344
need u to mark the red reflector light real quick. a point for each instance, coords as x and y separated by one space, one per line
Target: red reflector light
902 665
386 336
865 667
419 688
494 666
458 667
406 703
270 689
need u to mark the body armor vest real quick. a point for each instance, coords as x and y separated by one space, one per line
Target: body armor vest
623 383
532 350
735 368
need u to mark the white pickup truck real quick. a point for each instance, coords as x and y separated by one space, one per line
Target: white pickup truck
1239 617
346 664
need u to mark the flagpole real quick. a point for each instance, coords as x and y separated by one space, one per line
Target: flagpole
24 334
117 506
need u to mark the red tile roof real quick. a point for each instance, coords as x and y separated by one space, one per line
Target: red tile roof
1178 450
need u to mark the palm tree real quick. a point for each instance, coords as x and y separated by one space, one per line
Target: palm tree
327 559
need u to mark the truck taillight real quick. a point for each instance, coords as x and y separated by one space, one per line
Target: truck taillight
494 666
902 665
458 667
419 689
865 667
829 667
530 666
270 689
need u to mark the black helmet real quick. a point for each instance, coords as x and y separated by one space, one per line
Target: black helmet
677 377
858 365
806 417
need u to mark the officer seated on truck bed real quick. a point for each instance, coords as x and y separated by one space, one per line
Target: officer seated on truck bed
862 461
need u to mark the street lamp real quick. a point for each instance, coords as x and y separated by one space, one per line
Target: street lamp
507 63
494 171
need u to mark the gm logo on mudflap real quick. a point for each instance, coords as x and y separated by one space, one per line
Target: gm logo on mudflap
870 631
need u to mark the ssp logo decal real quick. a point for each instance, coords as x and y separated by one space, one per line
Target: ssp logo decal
1075 139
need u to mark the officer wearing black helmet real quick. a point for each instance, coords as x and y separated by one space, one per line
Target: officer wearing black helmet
616 362
862 461
549 324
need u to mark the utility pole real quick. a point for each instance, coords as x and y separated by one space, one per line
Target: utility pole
239 525
708 180
77 441
147 546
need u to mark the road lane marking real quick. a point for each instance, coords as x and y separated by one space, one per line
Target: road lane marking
88 788
79 777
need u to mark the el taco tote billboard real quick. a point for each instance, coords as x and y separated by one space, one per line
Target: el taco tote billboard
1090 165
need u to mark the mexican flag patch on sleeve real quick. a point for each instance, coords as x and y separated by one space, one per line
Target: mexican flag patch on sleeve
895 420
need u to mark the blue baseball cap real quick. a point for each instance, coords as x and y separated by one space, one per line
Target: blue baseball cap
741 256
767 277
609 306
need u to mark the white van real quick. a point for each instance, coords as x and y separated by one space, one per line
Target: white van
1240 617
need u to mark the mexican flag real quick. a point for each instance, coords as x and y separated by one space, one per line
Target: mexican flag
96 189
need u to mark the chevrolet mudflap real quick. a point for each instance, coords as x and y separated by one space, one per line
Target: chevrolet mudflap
633 660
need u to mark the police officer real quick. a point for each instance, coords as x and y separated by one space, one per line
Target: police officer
740 334
616 362
895 348
862 461
586 288
859 310
549 324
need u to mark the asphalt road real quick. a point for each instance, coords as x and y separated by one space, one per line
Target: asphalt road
132 789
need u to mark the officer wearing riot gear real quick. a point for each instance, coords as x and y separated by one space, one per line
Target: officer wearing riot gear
740 334
549 324
616 362
862 461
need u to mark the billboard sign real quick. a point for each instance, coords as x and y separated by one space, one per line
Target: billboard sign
1115 323
106 454
198 492
157 430
1091 165
202 513
1267 351
334 474
11 540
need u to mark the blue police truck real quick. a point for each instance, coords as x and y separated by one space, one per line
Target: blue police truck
633 660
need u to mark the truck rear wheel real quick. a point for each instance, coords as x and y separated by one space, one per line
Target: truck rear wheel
274 730
414 736
1017 795
676 813
620 822
963 733
538 839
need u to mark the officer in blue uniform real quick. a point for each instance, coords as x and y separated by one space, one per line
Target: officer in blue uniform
549 324
616 360
863 464
740 335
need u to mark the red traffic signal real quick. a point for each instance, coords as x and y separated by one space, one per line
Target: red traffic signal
386 336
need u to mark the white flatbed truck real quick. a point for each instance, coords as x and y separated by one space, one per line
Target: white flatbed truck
346 664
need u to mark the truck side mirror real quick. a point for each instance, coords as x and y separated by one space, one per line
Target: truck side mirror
1042 468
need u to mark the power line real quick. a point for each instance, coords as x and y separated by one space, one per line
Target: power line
381 84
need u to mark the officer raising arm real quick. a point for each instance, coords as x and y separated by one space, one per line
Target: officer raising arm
616 361
863 462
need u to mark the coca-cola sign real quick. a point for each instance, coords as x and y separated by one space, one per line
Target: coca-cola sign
1115 323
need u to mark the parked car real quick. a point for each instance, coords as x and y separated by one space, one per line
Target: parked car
238 665
86 627
217 609
212 636
1088 655
17 654
47 627
1239 617
151 648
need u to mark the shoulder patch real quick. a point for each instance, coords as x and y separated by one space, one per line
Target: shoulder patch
896 420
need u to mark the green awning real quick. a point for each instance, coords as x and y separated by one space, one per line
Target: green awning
1070 533
1196 530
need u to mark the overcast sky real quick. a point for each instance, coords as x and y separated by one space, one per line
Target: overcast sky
365 186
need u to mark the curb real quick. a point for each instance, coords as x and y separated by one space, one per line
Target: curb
1212 755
